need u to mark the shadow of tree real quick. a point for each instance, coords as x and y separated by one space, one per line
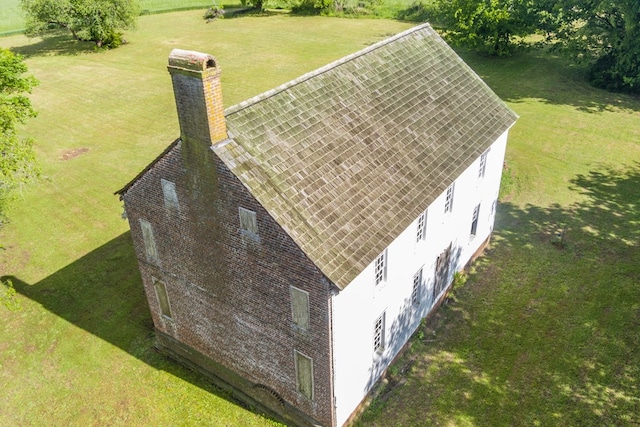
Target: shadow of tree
102 293
56 43
545 332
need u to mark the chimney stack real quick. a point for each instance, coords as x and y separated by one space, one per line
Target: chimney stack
196 87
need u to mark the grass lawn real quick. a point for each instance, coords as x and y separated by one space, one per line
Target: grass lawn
12 17
539 335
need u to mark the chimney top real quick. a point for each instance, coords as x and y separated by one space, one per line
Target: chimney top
191 60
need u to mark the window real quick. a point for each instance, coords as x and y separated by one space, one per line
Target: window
474 220
378 334
483 164
448 203
421 230
169 193
381 267
415 293
304 374
248 223
300 308
163 298
149 241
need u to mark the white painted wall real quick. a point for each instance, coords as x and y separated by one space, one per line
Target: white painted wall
356 365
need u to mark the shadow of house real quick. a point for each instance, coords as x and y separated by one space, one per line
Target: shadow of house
102 294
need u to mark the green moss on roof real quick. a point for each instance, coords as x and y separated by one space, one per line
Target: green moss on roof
346 157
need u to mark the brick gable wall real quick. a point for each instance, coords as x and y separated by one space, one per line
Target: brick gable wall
229 293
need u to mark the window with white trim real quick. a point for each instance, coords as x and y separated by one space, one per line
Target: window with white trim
248 222
421 230
304 374
483 164
380 267
300 308
415 292
149 241
163 298
169 194
448 203
378 333
474 220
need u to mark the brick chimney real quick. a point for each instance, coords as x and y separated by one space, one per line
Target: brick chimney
196 87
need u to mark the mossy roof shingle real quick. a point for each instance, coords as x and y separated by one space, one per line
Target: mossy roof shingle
347 156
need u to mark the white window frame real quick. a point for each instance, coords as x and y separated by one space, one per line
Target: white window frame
379 343
300 316
299 386
417 285
421 227
448 203
169 194
483 164
474 220
380 268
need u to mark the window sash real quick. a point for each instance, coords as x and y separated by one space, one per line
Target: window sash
300 308
448 204
304 374
378 333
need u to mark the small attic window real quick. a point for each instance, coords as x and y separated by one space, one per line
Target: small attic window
170 195
248 222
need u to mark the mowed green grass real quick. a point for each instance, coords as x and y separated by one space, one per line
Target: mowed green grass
539 335
80 350
12 17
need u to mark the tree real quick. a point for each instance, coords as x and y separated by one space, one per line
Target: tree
491 26
17 159
99 21
606 35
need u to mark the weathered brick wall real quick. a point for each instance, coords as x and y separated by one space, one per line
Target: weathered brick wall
229 294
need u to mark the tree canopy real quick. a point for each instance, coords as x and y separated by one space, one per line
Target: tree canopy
99 21
606 35
17 159
603 34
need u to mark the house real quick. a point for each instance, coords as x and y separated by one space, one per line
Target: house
290 245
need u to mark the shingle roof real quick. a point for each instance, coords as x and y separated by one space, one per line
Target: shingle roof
346 157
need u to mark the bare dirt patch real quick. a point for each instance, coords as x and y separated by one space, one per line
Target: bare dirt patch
70 154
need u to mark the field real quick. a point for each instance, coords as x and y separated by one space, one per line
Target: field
543 332
12 17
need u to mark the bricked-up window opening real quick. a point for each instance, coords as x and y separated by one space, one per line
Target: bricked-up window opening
300 308
483 164
163 298
381 268
378 333
170 195
149 241
448 203
421 230
474 220
304 375
415 292
248 223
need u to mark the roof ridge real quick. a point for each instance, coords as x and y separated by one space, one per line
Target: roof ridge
268 94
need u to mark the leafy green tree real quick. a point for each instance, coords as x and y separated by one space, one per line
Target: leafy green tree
606 35
492 26
17 158
99 21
